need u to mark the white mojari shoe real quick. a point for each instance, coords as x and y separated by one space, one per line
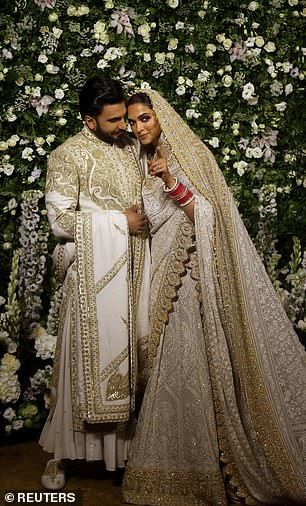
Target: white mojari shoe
54 477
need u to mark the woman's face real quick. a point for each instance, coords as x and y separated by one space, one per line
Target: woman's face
144 124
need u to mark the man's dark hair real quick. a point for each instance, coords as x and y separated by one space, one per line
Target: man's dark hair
97 92
140 98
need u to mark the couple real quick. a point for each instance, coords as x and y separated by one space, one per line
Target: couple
223 413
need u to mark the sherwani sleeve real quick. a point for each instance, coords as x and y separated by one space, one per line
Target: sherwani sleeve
62 193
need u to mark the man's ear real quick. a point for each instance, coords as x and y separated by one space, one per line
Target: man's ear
90 123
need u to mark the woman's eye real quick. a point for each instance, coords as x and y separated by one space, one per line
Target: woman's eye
145 118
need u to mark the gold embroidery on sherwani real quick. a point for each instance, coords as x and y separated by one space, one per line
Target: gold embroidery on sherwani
118 387
109 276
96 408
250 343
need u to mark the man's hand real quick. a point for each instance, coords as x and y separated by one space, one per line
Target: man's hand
137 223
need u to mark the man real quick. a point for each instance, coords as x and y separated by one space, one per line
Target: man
93 198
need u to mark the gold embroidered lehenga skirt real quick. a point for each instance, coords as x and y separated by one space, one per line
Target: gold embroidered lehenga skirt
198 439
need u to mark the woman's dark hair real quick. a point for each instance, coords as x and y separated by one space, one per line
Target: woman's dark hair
140 98
97 92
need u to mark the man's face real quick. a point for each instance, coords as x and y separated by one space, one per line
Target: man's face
109 125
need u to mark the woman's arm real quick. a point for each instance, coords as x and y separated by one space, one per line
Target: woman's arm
176 190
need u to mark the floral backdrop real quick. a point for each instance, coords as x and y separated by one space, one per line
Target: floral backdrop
234 70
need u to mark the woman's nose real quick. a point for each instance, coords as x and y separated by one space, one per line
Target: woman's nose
139 127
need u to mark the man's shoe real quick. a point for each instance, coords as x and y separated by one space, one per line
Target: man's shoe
54 477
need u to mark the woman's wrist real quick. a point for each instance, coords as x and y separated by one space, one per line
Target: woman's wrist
171 182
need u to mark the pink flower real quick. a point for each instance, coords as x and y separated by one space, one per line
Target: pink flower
45 3
121 21
41 104
237 51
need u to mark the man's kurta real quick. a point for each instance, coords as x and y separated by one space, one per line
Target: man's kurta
104 314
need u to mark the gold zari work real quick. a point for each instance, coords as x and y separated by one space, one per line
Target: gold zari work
251 362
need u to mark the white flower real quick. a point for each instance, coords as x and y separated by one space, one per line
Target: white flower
172 44
160 58
287 66
270 47
173 3
8 169
147 57
227 80
109 4
53 17
57 32
3 145
253 6
86 53
241 167
227 43
102 64
259 41
189 83
201 14
248 91
189 48
17 424
43 58
144 31
100 33
27 154
41 151
83 10
181 80
44 343
257 152
62 121
38 77
50 138
281 106
292 3
180 25
189 113
39 141
7 54
220 37
145 86
203 76
214 142
59 94
180 90
210 50
288 89
12 203
59 112
9 414
52 69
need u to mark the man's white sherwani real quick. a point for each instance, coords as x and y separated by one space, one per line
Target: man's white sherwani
104 316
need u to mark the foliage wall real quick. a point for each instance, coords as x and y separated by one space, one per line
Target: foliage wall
234 70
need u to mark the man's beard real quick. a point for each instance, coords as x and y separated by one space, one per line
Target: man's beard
121 138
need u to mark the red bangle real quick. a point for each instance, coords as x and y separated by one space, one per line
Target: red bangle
180 193
186 199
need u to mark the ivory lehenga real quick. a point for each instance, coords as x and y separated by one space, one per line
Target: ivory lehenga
223 416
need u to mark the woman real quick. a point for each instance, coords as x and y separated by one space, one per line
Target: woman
222 419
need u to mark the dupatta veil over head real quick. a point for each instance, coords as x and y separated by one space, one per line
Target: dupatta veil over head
257 364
